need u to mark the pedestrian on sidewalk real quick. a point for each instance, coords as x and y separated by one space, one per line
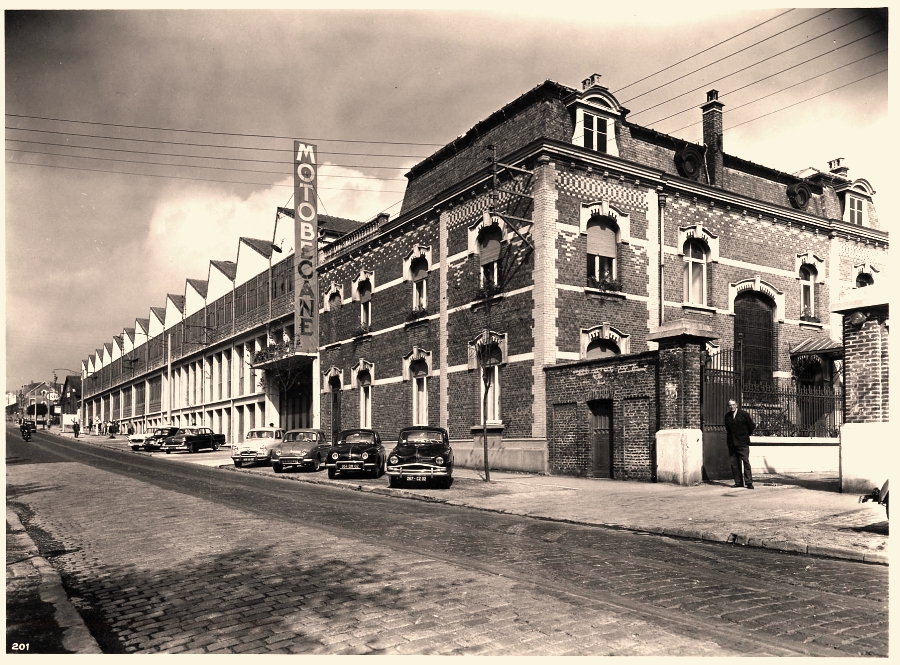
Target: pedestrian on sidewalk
75 428
738 427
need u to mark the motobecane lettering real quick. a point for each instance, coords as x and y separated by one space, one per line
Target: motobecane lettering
306 231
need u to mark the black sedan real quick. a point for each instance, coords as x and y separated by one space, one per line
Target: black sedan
304 448
422 454
358 451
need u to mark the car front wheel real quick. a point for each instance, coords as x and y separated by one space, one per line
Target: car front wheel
332 473
317 464
215 446
277 467
238 463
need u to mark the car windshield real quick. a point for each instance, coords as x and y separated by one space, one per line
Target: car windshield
161 432
260 434
358 437
300 436
421 438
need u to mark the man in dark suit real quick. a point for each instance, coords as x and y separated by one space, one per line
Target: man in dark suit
739 426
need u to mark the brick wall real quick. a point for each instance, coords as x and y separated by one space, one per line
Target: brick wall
630 382
866 362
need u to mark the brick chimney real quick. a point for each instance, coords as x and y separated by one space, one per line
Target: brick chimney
382 218
712 136
836 167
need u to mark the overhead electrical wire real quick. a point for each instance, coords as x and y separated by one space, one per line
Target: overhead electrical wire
759 62
187 166
209 145
174 177
743 87
202 131
746 48
691 57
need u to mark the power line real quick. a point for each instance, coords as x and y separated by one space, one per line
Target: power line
201 131
230 182
185 166
731 92
664 69
204 145
759 62
735 53
880 71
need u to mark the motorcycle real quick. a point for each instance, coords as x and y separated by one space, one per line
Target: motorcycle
26 433
879 496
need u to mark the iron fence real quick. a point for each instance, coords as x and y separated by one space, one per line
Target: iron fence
794 411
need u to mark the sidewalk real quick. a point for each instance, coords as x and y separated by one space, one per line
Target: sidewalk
801 513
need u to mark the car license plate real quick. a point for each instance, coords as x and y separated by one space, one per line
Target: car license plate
420 479
352 466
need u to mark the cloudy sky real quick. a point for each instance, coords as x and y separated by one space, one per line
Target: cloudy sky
140 145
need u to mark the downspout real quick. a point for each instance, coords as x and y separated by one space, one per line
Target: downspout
662 256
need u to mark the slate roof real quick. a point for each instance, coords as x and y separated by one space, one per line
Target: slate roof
339 225
177 300
200 285
227 268
144 324
264 247
160 313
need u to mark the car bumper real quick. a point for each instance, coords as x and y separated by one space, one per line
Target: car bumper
251 457
419 471
294 461
171 449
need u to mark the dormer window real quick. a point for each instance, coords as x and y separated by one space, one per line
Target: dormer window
855 210
594 132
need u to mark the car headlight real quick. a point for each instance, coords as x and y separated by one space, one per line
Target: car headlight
278 452
365 455
394 459
439 460
334 456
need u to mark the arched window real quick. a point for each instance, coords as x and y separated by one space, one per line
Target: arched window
365 303
601 250
418 370
864 279
334 301
695 272
807 293
419 274
491 360
489 255
601 348
364 381
755 328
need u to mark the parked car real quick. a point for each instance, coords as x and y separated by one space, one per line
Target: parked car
193 439
879 496
359 451
422 454
258 446
301 448
152 440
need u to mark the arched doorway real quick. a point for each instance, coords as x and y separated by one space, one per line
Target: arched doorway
754 331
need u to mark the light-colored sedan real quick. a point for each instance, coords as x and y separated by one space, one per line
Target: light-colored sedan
258 446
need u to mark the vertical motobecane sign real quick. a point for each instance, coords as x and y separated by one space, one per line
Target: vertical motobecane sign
306 232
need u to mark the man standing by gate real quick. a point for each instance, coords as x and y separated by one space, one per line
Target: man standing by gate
739 426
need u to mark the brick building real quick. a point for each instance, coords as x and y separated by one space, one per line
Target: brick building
567 276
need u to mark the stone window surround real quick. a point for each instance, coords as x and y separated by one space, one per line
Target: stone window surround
332 289
607 332
329 374
602 208
500 340
362 277
417 252
361 365
758 285
411 357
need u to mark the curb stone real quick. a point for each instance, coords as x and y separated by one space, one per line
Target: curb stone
76 636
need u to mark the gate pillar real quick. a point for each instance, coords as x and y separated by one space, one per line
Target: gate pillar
866 439
679 441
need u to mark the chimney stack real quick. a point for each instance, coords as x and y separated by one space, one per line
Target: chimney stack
835 167
712 136
382 218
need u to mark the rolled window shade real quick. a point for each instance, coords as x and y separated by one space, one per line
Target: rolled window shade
418 368
365 291
419 270
489 244
601 239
